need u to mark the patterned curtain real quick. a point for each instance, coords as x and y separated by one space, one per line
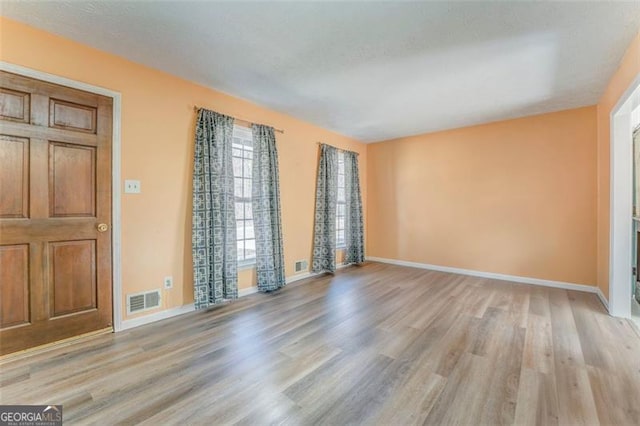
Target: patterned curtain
213 238
265 199
354 228
324 239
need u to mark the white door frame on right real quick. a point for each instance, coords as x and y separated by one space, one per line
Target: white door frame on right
621 220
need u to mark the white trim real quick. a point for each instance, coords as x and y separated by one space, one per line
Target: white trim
299 277
603 299
147 319
492 275
247 264
116 206
116 240
621 203
247 291
635 314
288 280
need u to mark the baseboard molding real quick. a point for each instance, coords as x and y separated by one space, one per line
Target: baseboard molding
169 313
157 316
603 299
299 277
306 275
247 291
491 275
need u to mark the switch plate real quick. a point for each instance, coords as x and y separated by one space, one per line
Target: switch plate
131 186
168 282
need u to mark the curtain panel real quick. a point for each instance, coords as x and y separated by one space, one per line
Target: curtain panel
354 227
265 200
324 239
215 264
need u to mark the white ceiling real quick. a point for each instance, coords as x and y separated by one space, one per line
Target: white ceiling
373 71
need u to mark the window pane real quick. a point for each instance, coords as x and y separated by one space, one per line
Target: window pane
239 210
240 229
340 181
242 169
248 230
237 166
340 238
250 248
241 250
341 195
237 187
340 211
340 224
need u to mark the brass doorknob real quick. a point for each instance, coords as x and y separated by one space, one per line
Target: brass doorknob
103 227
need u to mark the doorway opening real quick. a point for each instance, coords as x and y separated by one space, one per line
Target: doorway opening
623 224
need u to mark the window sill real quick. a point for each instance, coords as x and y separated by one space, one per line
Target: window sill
247 264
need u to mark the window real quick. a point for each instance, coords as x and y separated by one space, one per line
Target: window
242 173
341 203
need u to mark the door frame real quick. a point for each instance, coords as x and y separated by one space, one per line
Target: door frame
116 216
621 185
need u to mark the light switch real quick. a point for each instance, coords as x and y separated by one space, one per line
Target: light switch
131 186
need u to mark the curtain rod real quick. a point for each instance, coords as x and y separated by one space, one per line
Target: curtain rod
339 149
196 108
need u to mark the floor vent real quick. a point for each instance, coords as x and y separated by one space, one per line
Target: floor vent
301 265
144 301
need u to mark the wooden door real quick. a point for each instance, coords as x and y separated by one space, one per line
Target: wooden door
55 203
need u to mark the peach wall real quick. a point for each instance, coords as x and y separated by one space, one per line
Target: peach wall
626 73
515 197
157 147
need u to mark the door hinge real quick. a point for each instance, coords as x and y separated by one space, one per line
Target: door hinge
633 270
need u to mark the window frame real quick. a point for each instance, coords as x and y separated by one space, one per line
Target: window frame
243 142
343 203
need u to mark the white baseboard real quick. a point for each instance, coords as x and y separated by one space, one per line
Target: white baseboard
603 299
491 275
299 277
247 291
168 313
306 275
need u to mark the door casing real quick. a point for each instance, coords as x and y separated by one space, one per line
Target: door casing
621 203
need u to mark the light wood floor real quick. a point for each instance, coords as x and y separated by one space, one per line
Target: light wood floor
376 344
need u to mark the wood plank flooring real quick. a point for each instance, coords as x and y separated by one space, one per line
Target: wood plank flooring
376 344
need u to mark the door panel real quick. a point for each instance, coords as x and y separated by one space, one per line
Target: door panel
72 178
14 105
14 177
55 182
70 116
72 276
14 275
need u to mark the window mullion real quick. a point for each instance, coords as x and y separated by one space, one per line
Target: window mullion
243 180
